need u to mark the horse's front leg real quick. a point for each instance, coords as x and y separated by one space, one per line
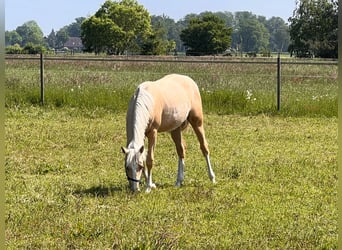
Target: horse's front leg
152 140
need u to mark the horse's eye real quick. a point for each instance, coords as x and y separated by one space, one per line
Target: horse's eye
139 167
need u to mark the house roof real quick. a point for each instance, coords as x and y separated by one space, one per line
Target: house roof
73 42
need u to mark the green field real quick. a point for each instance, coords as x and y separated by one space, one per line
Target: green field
277 173
227 88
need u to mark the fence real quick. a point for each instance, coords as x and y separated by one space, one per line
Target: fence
278 63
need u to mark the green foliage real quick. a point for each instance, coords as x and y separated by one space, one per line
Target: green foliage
30 32
12 38
171 31
165 35
127 28
57 39
207 35
251 35
157 43
66 187
313 29
115 27
34 49
14 49
74 29
29 48
93 38
61 37
279 34
52 40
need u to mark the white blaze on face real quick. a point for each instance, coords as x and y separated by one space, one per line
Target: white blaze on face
133 168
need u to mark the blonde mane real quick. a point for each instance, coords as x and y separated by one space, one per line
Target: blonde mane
138 117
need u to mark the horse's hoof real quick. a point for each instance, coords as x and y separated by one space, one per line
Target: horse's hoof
149 188
178 184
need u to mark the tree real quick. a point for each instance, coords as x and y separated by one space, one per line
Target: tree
30 32
164 38
158 43
12 38
31 48
250 35
74 29
279 34
181 25
116 27
227 16
14 49
313 29
51 40
153 46
170 31
101 34
61 37
206 35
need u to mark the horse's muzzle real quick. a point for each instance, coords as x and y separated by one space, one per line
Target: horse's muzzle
134 184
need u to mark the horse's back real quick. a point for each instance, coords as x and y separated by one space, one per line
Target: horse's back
175 90
177 82
176 97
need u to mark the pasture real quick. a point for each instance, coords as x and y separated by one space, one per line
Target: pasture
226 88
277 173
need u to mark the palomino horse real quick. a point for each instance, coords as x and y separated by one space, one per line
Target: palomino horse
167 104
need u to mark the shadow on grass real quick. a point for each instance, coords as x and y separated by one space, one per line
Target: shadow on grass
105 191
100 191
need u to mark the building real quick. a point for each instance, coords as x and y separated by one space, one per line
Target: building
74 44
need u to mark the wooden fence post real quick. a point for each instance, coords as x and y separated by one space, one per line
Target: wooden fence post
278 82
42 99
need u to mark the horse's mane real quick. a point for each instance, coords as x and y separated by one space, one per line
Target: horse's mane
138 116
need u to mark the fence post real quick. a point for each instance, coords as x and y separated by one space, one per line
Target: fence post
41 79
278 82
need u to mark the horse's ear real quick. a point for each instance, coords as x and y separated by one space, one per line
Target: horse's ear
124 150
141 150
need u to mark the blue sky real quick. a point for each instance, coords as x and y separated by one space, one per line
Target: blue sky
56 14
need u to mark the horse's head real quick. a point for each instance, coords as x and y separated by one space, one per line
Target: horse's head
134 164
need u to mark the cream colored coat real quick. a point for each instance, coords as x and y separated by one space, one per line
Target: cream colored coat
167 104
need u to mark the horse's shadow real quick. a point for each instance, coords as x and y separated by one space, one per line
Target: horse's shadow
100 191
107 191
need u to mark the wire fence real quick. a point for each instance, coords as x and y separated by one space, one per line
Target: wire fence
288 79
177 59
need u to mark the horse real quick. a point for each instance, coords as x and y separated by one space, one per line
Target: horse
164 105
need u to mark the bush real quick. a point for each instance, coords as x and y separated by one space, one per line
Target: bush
14 49
265 53
31 48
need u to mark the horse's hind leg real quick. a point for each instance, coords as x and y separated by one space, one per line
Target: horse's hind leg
197 125
177 138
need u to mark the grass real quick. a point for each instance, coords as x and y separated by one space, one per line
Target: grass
277 172
66 187
245 89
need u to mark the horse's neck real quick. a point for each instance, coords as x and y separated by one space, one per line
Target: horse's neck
139 120
139 126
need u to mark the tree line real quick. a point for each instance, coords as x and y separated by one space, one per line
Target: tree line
122 27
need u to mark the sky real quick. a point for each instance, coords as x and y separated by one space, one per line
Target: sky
56 14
